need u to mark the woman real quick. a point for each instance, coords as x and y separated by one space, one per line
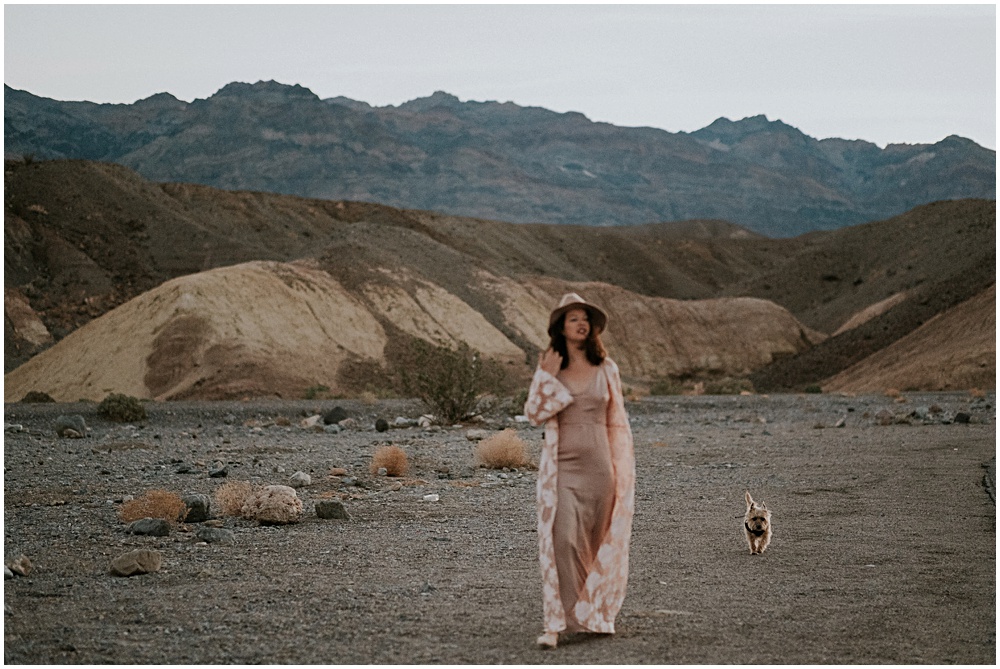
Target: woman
586 476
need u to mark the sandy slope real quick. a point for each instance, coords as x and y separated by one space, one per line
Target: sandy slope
954 350
268 328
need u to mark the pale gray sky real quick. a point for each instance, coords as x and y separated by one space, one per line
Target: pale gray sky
883 73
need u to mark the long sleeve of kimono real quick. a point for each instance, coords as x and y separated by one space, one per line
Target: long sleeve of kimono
546 397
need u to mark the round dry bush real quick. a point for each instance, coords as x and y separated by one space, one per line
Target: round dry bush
122 408
230 497
154 504
393 458
503 449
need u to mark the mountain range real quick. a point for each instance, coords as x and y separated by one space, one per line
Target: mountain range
501 161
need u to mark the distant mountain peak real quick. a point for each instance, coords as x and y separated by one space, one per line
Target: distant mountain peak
267 89
437 99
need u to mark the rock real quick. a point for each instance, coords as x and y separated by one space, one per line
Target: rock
300 480
72 426
402 421
150 527
216 535
184 468
476 435
274 505
884 417
920 413
199 507
521 419
425 421
135 563
311 421
229 419
348 424
432 497
332 508
334 415
348 481
13 428
219 471
962 417
382 471
332 429
841 423
338 471
20 566
381 425
215 522
7 573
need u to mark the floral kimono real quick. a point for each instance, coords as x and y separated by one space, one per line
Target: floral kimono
604 590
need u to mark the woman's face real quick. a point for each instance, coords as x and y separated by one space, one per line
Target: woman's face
576 327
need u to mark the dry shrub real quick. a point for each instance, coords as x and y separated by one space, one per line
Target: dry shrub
368 398
892 392
393 458
273 505
229 497
503 449
977 392
154 504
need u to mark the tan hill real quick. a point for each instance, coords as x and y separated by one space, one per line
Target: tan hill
955 350
267 328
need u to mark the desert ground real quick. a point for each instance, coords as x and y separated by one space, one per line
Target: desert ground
884 547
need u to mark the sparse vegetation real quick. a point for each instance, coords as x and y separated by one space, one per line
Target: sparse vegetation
666 386
503 449
122 408
813 389
449 380
393 458
318 391
728 386
37 397
230 497
154 504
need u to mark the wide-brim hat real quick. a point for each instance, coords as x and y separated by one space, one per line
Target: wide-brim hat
598 319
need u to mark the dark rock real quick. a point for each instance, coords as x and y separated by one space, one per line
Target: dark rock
334 416
216 535
199 507
962 417
71 426
219 472
151 527
332 508
135 563
381 425
37 397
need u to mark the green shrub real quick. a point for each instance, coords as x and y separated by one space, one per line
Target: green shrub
317 391
728 386
666 386
37 397
448 380
121 408
814 389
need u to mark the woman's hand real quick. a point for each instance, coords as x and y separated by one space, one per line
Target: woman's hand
550 361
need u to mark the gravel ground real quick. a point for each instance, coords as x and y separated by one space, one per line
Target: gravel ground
884 547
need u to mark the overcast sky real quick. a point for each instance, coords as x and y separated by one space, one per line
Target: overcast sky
886 74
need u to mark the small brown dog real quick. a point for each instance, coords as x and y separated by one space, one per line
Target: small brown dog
757 526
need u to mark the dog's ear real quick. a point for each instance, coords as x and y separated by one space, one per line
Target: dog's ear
749 499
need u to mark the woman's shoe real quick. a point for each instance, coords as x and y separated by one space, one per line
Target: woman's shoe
548 640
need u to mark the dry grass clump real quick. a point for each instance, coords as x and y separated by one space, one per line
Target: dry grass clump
892 392
230 497
977 393
154 504
273 505
393 458
503 449
368 398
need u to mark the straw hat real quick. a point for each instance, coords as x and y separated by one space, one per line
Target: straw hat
598 319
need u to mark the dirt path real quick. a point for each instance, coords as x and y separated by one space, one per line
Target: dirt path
884 548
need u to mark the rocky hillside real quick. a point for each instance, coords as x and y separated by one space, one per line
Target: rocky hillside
82 238
501 161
